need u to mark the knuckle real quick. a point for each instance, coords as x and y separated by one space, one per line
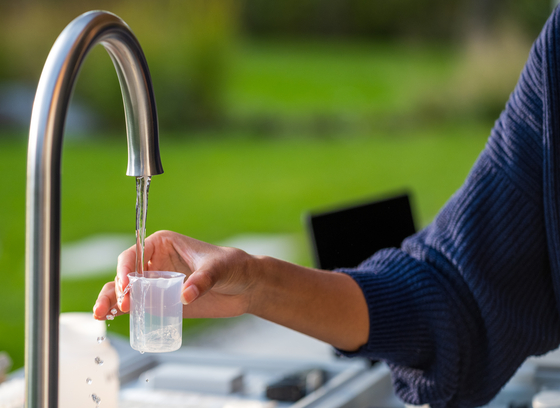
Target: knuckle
108 286
121 256
205 280
161 234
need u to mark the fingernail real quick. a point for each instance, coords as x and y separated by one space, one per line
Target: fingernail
189 295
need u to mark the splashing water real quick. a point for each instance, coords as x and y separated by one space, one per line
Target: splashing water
98 361
123 294
142 188
125 291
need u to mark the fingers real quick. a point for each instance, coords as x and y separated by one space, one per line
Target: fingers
126 263
105 301
123 298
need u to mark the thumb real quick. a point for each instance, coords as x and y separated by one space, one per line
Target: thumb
197 285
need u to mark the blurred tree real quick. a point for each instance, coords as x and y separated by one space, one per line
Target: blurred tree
429 19
349 17
530 15
481 16
187 44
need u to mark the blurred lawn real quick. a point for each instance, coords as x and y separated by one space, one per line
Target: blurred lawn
227 183
298 78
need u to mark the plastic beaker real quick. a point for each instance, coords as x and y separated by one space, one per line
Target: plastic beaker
156 311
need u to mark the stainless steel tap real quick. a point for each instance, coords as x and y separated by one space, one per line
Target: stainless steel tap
43 176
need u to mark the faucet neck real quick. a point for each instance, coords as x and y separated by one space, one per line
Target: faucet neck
43 175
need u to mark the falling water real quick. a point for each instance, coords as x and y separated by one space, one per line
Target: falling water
142 188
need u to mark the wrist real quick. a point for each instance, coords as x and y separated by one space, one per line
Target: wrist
257 267
326 305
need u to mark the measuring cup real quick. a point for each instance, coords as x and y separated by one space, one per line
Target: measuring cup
156 311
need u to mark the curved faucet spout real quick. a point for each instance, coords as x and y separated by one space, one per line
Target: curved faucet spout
43 176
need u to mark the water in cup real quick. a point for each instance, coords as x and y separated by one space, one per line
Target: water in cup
156 311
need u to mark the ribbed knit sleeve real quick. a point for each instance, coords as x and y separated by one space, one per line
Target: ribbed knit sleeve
464 302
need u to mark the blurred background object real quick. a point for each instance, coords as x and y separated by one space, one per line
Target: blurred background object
5 365
267 110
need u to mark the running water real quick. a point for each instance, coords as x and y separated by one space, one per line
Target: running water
142 188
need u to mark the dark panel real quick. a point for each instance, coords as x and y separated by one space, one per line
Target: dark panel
347 236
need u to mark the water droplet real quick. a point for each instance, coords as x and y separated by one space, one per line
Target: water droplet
122 295
109 325
141 352
95 398
114 311
110 317
147 380
98 361
101 339
88 381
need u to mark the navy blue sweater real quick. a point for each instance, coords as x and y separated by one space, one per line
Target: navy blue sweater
464 302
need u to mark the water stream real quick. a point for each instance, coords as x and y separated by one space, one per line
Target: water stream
142 188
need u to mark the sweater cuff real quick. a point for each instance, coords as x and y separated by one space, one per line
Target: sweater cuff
399 292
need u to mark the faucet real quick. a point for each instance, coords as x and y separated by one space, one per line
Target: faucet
42 270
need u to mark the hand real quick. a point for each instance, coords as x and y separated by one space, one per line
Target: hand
227 282
219 278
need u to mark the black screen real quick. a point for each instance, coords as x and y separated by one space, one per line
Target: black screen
345 237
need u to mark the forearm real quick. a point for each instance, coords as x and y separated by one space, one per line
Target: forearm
326 305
